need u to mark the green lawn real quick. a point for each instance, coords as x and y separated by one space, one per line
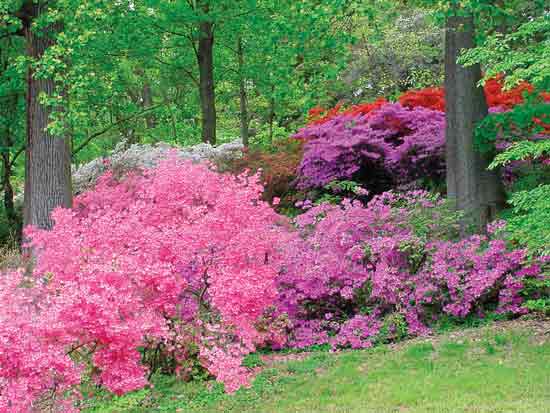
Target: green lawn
485 372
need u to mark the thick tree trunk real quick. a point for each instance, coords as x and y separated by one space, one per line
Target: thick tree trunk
205 58
242 95
474 190
48 158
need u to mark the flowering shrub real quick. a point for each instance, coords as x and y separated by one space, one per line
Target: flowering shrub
33 371
430 98
140 156
495 95
277 169
381 144
387 146
318 115
173 254
359 267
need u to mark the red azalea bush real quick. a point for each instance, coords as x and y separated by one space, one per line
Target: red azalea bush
318 115
173 255
430 98
363 271
497 96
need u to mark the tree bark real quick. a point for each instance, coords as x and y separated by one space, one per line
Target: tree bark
48 157
470 185
147 97
7 188
271 118
7 142
205 58
242 95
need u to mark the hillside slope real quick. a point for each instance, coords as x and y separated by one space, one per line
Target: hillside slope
503 367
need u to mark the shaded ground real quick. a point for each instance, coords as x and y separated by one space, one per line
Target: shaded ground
503 367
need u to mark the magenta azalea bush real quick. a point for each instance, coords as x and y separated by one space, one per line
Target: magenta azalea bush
170 257
361 271
389 146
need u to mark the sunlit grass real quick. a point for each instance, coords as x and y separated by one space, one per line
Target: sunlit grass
503 372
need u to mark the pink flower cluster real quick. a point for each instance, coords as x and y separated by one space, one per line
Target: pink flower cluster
34 370
176 245
357 265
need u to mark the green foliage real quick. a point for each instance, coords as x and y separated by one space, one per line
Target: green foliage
521 54
394 329
530 223
253 360
515 126
268 140
336 191
400 48
523 150
537 293
439 222
447 323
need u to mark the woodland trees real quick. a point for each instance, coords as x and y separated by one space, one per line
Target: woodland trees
137 71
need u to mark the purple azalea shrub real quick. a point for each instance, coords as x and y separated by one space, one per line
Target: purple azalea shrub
392 145
355 269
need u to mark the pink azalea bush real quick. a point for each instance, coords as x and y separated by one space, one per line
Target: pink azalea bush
360 267
164 258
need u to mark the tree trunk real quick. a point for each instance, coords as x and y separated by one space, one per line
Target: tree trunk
7 188
48 158
242 95
205 57
147 96
474 190
271 118
7 142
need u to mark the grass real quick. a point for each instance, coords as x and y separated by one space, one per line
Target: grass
490 372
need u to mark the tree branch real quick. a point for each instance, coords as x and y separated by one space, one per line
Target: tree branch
111 126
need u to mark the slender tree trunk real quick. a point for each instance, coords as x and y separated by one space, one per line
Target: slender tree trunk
9 205
147 100
147 96
48 158
474 190
242 95
7 173
205 58
6 141
271 119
